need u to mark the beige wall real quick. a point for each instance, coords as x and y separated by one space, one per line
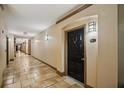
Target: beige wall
2 46
45 50
11 47
25 46
52 51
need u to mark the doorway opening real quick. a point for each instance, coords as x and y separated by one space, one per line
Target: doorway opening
7 51
75 66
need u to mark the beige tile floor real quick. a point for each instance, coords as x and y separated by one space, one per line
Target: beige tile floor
27 72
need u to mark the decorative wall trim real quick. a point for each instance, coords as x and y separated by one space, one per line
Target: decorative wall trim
44 62
87 86
60 73
2 84
74 12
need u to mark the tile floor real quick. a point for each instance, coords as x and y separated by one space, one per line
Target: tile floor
27 72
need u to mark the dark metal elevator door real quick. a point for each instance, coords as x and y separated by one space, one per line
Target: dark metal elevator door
76 54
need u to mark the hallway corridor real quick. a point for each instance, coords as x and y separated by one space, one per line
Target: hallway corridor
27 72
61 46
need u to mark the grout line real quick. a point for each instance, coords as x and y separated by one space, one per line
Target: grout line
32 78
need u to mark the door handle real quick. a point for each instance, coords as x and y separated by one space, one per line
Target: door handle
82 59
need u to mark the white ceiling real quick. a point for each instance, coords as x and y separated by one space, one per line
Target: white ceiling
33 18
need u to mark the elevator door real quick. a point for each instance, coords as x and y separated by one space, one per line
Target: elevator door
76 54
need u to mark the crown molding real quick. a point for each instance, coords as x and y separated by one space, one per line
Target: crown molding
74 12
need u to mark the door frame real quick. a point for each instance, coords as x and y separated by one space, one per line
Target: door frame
66 50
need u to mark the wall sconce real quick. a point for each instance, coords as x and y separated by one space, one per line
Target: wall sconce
46 37
92 26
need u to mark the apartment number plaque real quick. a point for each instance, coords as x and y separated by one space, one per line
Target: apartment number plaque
92 40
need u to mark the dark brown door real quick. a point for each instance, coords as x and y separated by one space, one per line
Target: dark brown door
76 54
29 47
7 50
